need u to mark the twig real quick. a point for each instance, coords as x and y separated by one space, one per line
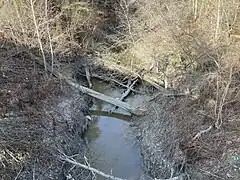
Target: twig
18 174
180 177
218 20
91 169
20 21
33 171
207 172
201 132
86 67
10 154
86 160
124 4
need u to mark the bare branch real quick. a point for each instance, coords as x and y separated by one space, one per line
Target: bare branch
201 132
38 35
222 101
91 169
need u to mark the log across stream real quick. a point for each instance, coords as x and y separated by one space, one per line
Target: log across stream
112 146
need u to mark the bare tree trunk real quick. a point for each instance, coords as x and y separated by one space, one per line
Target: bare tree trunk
38 35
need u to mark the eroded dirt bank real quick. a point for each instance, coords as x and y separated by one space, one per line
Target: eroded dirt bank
178 140
41 118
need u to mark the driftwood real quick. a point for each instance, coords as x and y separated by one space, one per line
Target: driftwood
129 87
103 97
91 169
86 67
126 93
112 114
113 80
90 92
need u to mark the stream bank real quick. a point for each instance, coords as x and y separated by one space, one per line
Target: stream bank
49 119
43 118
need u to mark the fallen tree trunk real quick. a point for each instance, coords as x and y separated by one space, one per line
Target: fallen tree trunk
90 92
126 93
103 97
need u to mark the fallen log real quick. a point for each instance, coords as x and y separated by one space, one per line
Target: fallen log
126 93
87 72
113 80
129 87
72 161
90 92
112 114
103 97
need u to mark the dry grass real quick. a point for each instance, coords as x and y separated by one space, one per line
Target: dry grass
39 116
23 92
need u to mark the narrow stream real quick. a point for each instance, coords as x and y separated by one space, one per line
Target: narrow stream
112 146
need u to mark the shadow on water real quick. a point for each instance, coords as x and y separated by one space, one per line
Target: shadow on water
112 115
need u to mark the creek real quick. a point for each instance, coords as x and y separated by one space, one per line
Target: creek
112 147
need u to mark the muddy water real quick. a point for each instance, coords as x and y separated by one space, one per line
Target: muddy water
112 146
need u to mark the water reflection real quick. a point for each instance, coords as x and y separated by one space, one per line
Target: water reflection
112 148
